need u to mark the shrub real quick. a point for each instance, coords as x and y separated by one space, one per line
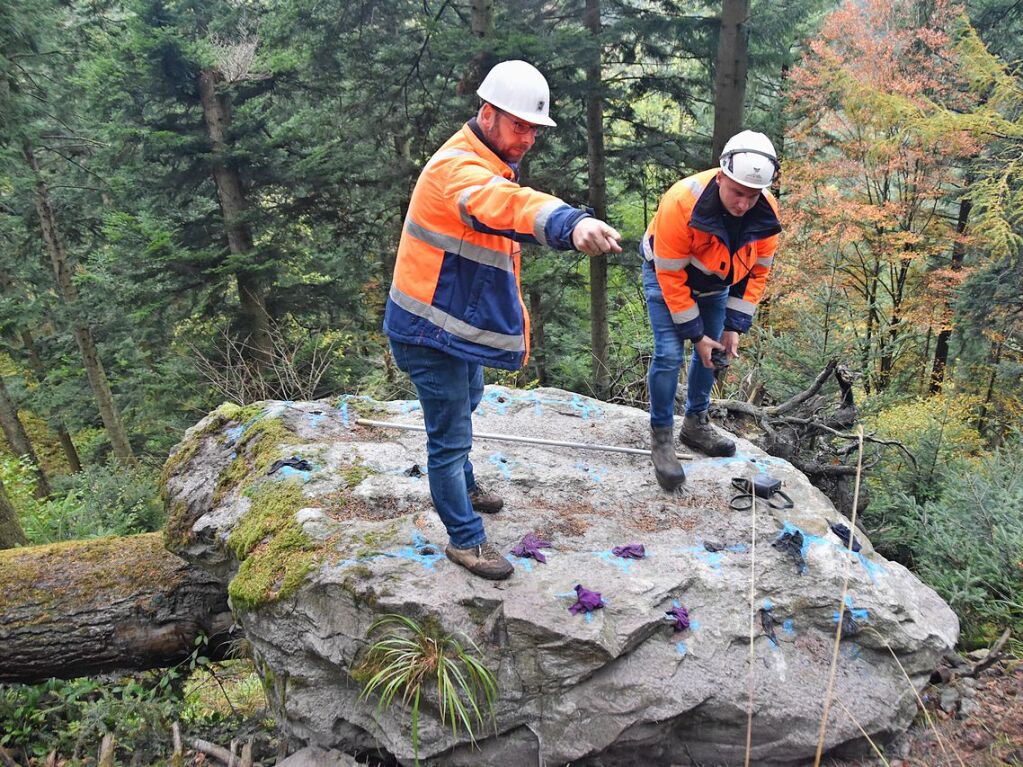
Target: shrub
110 499
970 544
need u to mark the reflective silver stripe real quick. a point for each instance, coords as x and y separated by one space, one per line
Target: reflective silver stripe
463 198
645 248
766 261
540 222
464 249
694 186
706 293
689 314
457 327
671 264
740 306
446 154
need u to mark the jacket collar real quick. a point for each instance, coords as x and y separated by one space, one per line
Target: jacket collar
485 149
759 222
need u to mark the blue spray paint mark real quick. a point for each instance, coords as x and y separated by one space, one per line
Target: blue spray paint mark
768 604
411 406
597 474
345 418
585 409
497 400
416 553
537 402
526 563
624 563
713 559
680 648
315 419
287 472
503 464
858 614
788 627
234 433
694 625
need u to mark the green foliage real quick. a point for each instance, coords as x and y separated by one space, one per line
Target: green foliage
969 544
71 716
411 658
109 499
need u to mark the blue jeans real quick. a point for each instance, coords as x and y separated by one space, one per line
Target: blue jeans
669 352
449 390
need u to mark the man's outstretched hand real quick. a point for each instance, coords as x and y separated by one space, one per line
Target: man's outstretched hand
594 238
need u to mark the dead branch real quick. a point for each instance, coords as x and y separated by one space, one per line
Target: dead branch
212 749
993 655
794 402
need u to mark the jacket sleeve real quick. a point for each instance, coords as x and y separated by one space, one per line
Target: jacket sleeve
670 240
496 205
745 295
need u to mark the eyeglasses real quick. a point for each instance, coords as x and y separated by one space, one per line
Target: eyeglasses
519 127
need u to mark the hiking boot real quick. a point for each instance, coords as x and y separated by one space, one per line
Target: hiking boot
483 560
697 433
484 501
667 469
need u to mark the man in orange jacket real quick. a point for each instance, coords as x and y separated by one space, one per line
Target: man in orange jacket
455 303
706 257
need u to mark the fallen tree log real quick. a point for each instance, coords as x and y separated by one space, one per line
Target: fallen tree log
109 604
811 431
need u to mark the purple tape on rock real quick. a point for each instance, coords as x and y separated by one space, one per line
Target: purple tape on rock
630 551
587 601
530 546
681 617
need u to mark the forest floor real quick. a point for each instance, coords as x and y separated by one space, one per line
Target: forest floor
973 723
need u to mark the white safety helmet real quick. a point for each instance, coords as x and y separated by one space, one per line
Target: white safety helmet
518 88
749 159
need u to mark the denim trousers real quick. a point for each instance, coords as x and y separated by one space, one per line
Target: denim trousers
669 352
449 390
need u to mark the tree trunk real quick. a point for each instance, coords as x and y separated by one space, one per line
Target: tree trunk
88 607
958 253
11 534
598 201
81 331
66 443
730 73
538 342
251 290
18 439
481 23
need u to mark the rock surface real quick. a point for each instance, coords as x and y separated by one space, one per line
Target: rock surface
355 537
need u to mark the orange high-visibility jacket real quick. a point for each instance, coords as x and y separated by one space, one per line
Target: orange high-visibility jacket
456 281
689 247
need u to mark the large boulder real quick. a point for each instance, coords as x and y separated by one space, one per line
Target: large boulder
321 525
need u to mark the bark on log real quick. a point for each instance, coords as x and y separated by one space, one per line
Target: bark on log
110 604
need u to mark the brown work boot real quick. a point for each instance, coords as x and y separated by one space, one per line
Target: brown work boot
484 501
697 433
667 469
483 560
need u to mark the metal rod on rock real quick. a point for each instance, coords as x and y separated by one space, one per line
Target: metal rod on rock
526 440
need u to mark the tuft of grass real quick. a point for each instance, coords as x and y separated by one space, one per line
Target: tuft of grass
410 658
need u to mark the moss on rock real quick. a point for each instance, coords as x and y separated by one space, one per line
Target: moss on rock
275 554
256 451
